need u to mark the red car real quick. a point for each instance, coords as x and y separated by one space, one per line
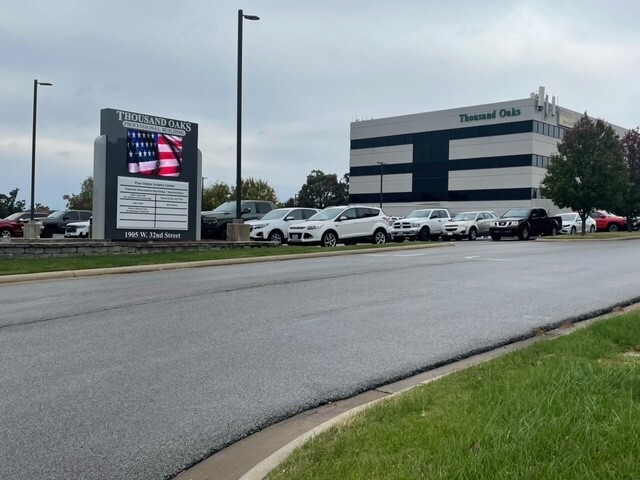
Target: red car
12 225
608 222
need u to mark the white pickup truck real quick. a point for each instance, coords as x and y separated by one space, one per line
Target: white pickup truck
423 224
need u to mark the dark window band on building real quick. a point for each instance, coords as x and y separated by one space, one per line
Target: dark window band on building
443 136
488 195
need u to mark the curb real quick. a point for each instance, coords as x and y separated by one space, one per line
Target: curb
266 466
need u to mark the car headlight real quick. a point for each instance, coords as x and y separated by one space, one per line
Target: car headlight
260 225
415 225
313 227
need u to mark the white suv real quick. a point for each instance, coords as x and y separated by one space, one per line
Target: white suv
274 225
346 224
423 224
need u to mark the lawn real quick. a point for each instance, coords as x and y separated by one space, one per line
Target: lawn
22 266
567 408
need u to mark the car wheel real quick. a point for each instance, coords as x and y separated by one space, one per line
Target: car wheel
573 231
5 233
613 227
379 237
524 234
329 239
425 234
473 234
495 237
276 237
554 231
592 229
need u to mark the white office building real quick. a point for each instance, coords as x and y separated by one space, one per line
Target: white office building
484 157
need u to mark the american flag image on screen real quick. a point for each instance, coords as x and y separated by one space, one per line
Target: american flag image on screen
150 153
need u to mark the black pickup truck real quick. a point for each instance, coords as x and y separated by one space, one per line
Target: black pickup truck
525 223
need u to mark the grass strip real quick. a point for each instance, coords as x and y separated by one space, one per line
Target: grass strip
37 265
562 409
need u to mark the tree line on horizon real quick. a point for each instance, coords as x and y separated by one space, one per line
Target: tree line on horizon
320 190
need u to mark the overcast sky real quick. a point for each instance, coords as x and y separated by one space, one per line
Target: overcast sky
310 68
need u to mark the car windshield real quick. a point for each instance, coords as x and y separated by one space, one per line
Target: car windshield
516 212
327 214
276 214
466 216
419 214
57 214
227 207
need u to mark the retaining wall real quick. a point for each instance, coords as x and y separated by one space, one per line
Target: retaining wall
51 248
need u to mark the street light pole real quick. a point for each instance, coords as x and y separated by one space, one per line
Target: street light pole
382 164
241 17
33 144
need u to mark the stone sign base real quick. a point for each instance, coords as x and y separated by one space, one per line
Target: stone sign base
32 229
238 232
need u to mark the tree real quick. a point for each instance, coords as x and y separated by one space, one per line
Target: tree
324 190
255 189
83 200
252 189
215 195
588 171
10 204
630 145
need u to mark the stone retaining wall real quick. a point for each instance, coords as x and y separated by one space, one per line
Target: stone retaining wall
51 248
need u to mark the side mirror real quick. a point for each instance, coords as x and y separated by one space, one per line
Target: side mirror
289 218
246 210
65 218
343 218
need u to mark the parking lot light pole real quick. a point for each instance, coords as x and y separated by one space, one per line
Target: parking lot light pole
382 164
241 17
33 144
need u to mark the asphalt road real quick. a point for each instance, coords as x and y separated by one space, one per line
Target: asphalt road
139 376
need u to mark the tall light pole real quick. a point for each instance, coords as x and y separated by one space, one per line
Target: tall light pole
382 164
33 143
241 17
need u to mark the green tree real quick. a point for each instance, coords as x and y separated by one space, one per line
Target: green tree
10 204
324 190
255 189
215 195
588 171
83 200
630 145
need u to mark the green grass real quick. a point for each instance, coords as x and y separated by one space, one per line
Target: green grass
562 409
21 266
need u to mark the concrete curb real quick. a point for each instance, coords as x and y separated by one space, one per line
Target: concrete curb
262 469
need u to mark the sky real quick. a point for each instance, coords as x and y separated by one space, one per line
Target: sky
310 68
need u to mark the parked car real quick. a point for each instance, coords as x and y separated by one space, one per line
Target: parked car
57 221
423 224
608 222
572 223
344 224
469 225
12 226
213 223
274 225
525 223
77 229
